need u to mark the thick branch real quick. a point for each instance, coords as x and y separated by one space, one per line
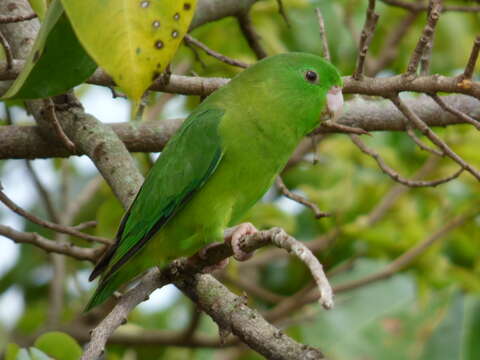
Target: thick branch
196 85
211 10
231 316
20 142
88 134
230 311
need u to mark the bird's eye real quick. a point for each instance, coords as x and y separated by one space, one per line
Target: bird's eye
311 76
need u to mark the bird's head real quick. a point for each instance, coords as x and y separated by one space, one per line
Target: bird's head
302 87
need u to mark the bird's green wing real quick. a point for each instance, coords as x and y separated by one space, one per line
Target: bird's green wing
186 163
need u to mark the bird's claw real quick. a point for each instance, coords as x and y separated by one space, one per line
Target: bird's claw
234 235
203 255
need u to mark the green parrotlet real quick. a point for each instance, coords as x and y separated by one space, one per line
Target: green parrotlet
218 165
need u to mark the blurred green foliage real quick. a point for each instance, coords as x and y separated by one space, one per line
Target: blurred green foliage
431 311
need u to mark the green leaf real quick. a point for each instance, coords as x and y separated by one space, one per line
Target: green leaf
59 346
446 341
36 354
12 351
57 61
23 355
472 330
40 7
137 40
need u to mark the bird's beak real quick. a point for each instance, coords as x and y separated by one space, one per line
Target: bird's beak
334 102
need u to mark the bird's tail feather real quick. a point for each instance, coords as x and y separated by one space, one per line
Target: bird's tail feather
107 288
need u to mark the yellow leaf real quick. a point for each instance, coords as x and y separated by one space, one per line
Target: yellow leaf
132 40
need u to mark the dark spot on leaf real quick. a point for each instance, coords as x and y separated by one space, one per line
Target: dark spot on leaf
176 17
138 51
159 44
156 24
174 34
144 4
159 65
36 56
155 75
187 6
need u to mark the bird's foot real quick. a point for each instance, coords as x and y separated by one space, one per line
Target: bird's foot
233 236
203 255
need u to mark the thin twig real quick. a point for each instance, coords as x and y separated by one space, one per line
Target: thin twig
390 47
323 35
406 258
16 18
332 125
472 60
251 288
195 317
420 125
251 35
43 192
290 304
411 133
454 111
426 38
223 58
316 245
49 225
388 200
283 13
284 241
393 174
296 302
85 225
7 50
82 198
371 19
419 6
76 252
299 199
51 116
426 56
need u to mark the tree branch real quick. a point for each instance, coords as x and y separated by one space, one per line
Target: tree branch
209 294
253 39
212 10
26 142
47 224
395 175
296 302
419 6
223 58
323 35
366 36
196 85
299 199
415 120
472 60
76 252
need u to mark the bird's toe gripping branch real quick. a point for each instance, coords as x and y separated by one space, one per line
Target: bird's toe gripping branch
203 254
234 236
